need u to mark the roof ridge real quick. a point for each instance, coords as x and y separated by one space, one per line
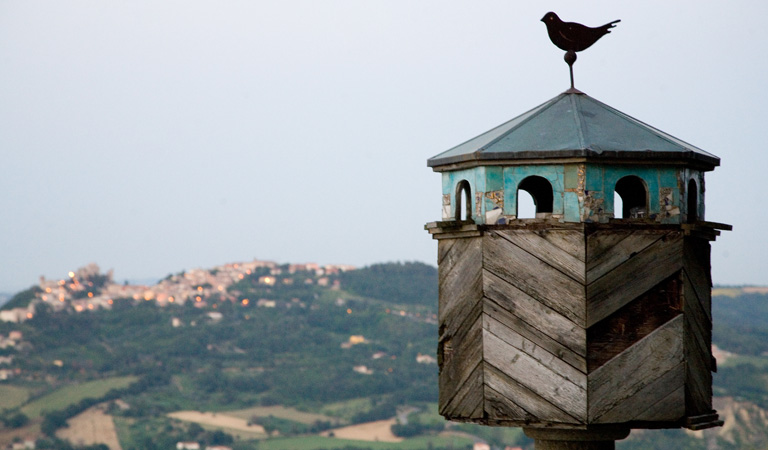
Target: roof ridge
579 123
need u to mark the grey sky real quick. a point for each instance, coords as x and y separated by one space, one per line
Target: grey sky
156 136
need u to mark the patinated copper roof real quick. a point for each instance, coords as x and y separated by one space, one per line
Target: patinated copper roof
570 125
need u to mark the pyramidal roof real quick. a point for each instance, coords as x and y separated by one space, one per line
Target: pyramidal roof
574 124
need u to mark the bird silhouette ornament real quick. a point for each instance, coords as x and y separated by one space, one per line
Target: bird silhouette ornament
573 37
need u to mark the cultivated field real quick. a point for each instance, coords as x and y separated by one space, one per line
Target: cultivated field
12 396
371 431
91 427
283 413
61 398
219 420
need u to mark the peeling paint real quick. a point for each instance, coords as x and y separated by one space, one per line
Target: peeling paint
497 197
593 208
582 192
667 206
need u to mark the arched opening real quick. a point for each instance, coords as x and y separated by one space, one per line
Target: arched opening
463 200
634 197
540 191
692 201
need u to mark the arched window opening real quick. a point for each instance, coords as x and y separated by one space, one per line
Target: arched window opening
463 200
634 197
693 201
540 190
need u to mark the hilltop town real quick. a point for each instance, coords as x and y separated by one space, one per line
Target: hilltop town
87 288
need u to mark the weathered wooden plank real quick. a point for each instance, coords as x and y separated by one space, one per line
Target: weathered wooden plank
460 356
534 277
530 348
460 287
464 402
541 317
669 408
601 241
463 254
540 408
698 386
657 390
479 411
696 263
634 321
534 375
444 247
536 243
530 332
629 372
453 251
633 278
698 382
572 241
698 327
499 407
613 256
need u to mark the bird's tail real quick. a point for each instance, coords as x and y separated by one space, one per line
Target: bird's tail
607 27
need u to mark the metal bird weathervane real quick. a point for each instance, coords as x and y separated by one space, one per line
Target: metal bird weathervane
573 37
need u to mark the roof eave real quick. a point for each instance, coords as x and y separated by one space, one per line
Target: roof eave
702 161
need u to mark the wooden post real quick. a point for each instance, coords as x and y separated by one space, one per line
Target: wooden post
601 438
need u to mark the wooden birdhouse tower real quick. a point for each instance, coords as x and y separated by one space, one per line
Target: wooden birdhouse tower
589 314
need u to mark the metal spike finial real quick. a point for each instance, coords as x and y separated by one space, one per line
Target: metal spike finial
573 37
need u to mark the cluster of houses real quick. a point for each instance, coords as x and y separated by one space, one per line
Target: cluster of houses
87 288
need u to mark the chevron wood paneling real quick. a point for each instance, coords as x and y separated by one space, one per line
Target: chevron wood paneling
698 327
535 320
534 276
632 277
459 314
666 390
468 401
574 325
460 282
668 409
494 328
460 377
621 381
606 250
538 245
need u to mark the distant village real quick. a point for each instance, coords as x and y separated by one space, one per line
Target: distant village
87 288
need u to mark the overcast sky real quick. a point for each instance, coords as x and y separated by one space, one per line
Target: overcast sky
155 136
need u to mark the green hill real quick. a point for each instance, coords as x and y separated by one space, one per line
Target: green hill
276 352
